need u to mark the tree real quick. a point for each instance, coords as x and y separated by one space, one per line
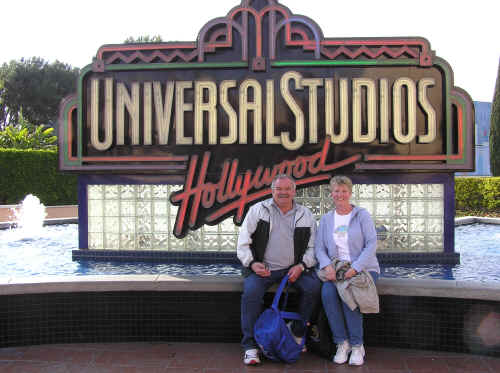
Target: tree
143 39
25 135
35 87
495 129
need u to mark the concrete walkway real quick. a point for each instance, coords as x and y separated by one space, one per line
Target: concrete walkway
221 358
53 212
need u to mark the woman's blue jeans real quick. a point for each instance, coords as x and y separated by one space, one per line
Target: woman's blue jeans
254 288
346 325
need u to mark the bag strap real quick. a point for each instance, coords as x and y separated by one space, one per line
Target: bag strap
285 314
278 293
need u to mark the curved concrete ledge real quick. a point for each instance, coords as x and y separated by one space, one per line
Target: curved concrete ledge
386 286
476 219
54 221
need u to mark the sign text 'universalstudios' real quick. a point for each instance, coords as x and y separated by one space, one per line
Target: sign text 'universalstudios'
365 110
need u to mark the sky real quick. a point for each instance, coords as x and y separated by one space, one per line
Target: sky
465 34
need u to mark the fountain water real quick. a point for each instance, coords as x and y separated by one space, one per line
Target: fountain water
30 216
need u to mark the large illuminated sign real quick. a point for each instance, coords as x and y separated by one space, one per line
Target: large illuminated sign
262 91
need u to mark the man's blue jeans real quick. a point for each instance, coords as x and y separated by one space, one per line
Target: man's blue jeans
254 288
346 325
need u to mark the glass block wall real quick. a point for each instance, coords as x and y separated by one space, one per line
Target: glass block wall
408 217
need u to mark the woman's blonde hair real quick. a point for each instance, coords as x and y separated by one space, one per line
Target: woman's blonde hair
341 180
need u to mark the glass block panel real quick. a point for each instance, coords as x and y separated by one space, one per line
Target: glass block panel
127 208
111 224
365 191
144 242
96 241
212 228
127 225
144 224
127 192
384 245
417 208
95 192
383 208
300 193
382 191
112 207
326 193
400 225
173 210
111 241
96 208
143 192
177 244
417 242
313 191
435 243
399 191
144 209
160 207
160 192
212 242
228 242
127 242
436 207
368 205
383 226
417 225
194 241
141 217
435 225
400 242
175 188
436 190
160 241
111 192
417 191
96 225
161 224
326 205
313 205
400 208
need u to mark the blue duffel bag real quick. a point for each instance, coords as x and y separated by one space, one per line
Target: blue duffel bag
271 333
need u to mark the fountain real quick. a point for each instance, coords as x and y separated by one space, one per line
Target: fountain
29 217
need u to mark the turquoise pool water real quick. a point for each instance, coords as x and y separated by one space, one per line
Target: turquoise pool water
50 254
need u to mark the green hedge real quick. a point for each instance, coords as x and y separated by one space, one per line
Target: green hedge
35 171
477 193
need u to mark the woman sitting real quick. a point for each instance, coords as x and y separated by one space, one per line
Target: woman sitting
346 236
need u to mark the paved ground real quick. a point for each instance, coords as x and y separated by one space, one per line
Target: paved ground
221 358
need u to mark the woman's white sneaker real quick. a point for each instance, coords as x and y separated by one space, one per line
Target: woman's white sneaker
357 355
251 357
342 354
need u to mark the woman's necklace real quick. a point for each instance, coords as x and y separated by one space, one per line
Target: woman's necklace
344 210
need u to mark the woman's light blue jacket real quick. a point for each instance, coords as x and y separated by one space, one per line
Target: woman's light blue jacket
362 241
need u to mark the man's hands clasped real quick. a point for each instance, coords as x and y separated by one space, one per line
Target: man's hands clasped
263 270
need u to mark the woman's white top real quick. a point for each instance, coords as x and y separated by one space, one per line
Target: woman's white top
340 235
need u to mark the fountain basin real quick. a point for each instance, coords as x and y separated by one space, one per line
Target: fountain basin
421 314
435 314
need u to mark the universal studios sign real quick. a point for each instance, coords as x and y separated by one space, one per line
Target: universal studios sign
262 92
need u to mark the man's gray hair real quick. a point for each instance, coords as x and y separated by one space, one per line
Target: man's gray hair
283 176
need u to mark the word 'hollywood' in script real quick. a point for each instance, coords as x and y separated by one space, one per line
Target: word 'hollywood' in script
232 185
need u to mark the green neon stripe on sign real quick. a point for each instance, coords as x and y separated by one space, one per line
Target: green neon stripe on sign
404 62
202 65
